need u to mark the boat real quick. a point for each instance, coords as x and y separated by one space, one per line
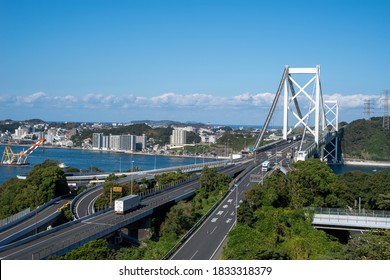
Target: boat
62 165
10 158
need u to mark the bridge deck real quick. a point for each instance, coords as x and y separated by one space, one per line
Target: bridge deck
365 219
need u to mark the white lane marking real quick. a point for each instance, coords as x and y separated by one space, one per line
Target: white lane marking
213 230
194 254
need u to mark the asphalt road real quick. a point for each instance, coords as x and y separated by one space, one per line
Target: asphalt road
85 205
73 233
31 222
207 240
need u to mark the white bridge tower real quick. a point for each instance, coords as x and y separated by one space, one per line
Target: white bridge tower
303 106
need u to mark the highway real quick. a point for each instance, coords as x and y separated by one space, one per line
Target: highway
219 223
30 224
76 233
209 237
85 205
207 241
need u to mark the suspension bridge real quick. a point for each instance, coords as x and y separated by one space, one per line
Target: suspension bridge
306 112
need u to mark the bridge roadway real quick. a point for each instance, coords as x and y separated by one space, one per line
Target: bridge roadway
64 238
332 218
10 233
83 205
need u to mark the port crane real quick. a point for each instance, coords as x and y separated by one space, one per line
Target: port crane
11 158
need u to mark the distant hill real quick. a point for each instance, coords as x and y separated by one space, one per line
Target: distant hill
11 125
366 139
167 123
34 121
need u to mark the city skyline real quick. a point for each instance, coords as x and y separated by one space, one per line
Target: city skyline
207 61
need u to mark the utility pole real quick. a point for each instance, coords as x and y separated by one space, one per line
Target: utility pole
132 170
368 110
385 101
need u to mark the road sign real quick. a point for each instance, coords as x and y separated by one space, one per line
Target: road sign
255 178
117 189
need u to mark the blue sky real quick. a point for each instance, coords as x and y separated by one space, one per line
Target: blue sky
217 61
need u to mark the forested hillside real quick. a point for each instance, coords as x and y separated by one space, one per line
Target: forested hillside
366 139
45 182
273 225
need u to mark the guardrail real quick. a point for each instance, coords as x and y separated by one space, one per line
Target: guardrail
350 212
189 168
14 217
32 213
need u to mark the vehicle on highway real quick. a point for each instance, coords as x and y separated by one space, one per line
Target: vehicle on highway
126 203
265 166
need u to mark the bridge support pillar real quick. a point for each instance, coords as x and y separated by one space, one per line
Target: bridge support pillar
331 152
139 230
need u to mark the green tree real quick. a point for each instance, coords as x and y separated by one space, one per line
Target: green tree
94 250
211 180
374 245
48 180
179 220
280 233
45 182
310 183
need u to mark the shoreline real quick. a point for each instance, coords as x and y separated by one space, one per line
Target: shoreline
120 152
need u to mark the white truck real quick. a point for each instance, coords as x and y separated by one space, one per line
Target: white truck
126 203
265 166
302 155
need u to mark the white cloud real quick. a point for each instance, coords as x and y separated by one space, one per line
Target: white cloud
352 101
167 100
31 99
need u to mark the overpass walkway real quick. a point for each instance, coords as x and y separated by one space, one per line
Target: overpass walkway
337 218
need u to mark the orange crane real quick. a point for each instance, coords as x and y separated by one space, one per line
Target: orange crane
10 158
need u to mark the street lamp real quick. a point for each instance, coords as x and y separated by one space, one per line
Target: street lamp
203 155
132 176
236 204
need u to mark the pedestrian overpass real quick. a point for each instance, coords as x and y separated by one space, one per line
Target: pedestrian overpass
345 219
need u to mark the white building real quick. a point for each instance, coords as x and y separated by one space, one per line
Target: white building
97 141
115 142
178 137
127 142
106 142
21 131
211 139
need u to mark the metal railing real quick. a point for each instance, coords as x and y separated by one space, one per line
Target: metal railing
378 219
351 212
14 217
